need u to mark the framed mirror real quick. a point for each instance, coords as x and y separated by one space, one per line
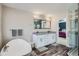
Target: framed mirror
42 24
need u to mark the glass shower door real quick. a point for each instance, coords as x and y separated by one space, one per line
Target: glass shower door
73 40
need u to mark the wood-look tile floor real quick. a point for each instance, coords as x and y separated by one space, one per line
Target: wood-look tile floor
59 50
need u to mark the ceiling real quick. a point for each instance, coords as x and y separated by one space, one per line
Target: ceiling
46 8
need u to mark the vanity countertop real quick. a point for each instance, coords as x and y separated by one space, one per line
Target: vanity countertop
41 33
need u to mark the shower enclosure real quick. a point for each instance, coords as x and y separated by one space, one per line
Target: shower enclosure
73 40
73 33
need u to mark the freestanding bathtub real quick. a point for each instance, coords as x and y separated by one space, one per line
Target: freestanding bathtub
16 47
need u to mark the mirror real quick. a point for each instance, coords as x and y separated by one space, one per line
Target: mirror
42 24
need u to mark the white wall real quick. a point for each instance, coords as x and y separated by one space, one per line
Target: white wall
15 19
0 25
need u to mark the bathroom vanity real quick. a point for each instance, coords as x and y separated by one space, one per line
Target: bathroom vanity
42 39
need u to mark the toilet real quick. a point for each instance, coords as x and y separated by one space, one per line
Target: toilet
16 47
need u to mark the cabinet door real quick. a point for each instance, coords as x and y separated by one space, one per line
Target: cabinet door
39 41
54 37
50 38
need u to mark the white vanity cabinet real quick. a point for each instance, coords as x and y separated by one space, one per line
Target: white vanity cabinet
44 39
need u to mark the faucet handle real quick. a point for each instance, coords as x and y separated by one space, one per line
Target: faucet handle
5 48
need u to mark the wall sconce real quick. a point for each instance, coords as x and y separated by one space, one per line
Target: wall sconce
35 16
48 17
38 15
